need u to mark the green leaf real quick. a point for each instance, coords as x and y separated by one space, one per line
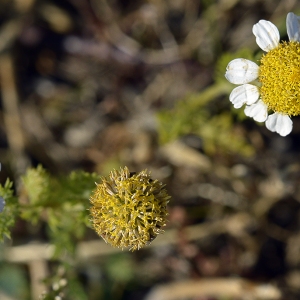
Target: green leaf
10 211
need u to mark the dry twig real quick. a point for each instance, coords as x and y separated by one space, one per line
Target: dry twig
215 287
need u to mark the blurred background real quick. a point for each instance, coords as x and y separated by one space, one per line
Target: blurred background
93 85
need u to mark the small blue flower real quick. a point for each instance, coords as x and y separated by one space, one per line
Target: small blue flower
2 201
2 204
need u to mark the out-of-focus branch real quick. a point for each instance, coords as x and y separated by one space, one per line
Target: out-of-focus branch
9 32
38 271
89 250
171 52
11 112
215 287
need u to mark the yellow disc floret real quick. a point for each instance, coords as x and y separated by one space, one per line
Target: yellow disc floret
279 74
128 209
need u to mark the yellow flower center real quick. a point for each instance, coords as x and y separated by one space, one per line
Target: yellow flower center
129 209
279 74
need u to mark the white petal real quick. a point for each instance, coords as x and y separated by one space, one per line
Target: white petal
293 27
279 123
267 35
244 94
258 111
241 70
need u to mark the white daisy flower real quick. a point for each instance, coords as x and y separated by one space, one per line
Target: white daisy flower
278 77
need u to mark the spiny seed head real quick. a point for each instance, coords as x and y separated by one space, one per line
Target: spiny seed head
279 73
129 209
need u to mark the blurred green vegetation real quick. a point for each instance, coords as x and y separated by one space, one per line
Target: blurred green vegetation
10 211
89 79
206 115
61 202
